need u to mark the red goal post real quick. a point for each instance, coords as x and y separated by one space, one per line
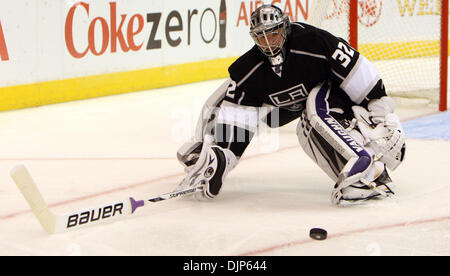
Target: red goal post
444 57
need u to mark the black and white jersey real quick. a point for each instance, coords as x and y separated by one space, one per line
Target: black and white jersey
312 56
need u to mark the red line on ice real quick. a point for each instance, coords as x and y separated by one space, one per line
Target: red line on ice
86 158
338 235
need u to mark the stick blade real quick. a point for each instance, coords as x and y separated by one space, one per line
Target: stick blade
33 196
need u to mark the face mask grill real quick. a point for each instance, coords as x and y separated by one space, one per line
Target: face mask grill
270 41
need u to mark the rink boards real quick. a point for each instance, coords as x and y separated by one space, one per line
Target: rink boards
56 51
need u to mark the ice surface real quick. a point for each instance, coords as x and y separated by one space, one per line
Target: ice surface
86 153
436 126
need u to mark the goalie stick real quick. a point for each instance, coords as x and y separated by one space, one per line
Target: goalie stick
54 223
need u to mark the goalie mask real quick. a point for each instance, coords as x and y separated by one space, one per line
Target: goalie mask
269 29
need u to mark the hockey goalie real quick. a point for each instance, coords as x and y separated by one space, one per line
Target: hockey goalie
346 121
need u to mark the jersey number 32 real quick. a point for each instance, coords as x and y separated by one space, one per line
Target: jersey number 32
343 54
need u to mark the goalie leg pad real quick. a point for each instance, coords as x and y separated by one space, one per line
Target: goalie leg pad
189 152
356 189
337 147
326 140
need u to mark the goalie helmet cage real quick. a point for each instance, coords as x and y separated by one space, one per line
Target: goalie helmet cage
406 40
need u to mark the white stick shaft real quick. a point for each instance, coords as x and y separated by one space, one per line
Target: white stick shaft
34 198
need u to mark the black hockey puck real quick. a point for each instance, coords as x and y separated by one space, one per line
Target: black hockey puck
318 234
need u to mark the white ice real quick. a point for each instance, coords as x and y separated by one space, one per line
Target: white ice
90 152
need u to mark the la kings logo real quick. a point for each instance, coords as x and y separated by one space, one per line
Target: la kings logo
291 99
